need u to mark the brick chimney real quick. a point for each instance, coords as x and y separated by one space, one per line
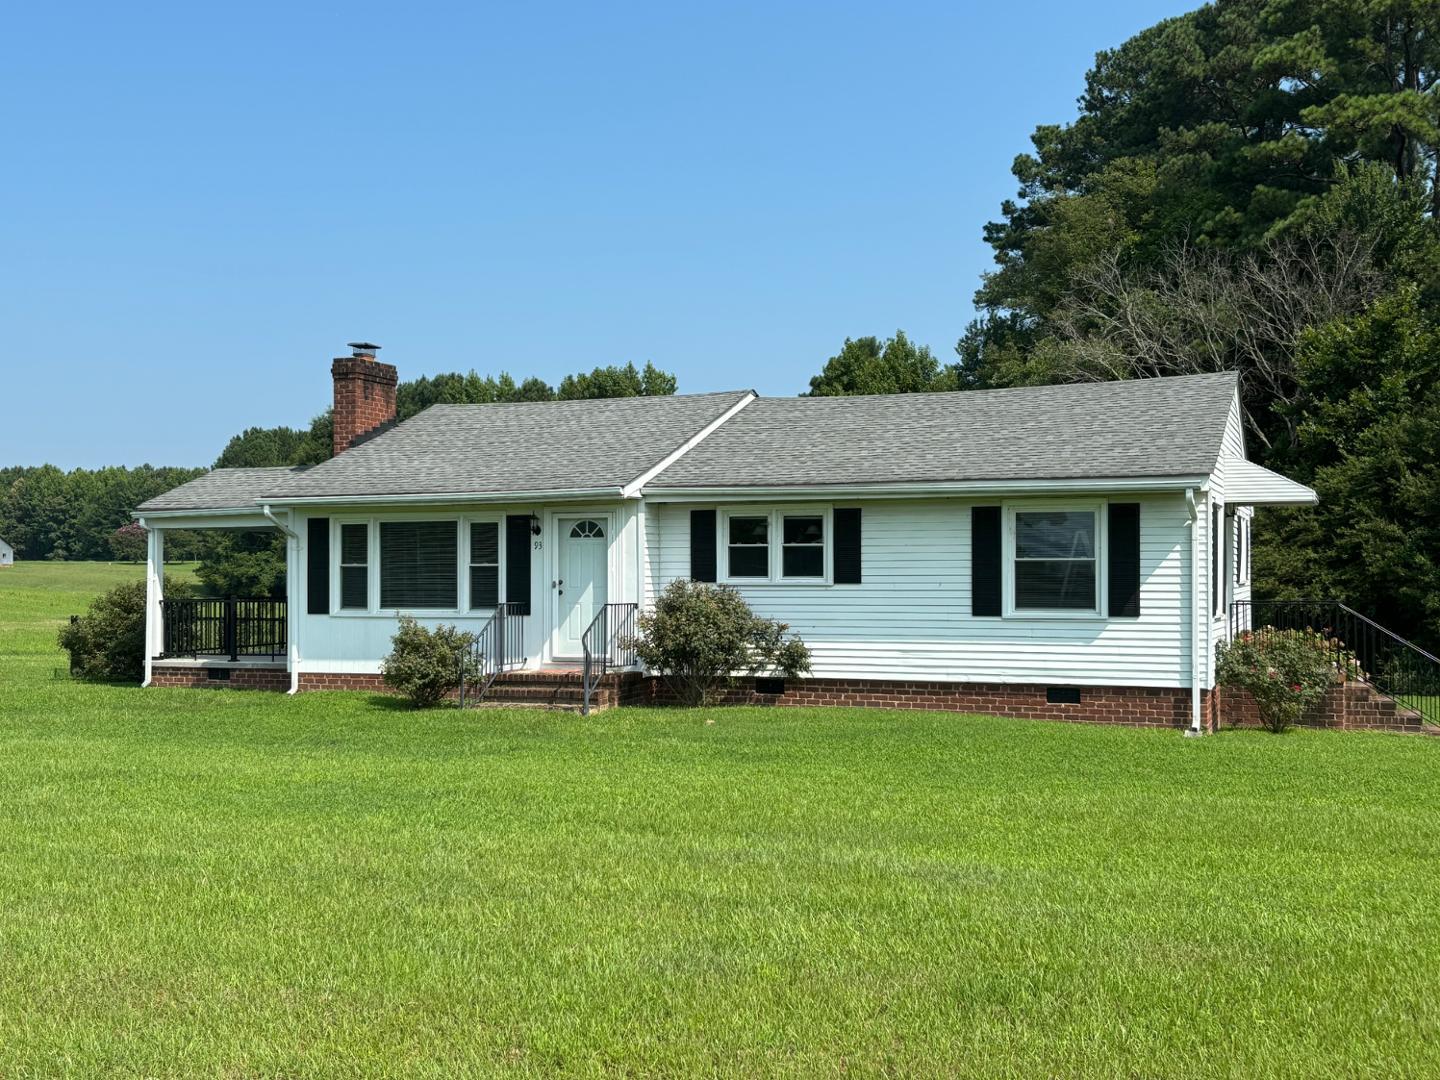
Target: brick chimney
364 393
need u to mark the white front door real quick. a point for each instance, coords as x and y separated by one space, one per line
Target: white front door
580 586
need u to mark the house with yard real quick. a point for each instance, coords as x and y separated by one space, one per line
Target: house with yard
1071 551
7 555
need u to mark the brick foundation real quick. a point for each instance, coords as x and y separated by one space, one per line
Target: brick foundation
1349 706
1134 706
1353 706
240 677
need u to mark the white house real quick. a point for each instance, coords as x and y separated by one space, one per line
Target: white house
7 555
1063 550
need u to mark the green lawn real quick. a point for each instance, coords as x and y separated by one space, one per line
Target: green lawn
212 883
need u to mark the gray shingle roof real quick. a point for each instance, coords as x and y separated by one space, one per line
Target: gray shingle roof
222 489
521 447
1136 428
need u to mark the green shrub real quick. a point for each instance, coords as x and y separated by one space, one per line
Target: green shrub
1286 671
108 642
699 637
425 665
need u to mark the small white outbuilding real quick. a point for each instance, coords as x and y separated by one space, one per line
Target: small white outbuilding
7 555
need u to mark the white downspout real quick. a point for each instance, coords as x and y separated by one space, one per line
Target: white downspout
292 622
1195 613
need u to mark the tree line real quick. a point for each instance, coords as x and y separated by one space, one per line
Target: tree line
49 513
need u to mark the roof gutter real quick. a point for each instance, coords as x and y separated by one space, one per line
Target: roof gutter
941 487
215 511
448 497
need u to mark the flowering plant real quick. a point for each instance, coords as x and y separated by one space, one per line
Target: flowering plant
1286 671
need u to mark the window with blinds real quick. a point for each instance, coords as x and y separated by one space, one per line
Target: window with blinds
355 567
419 564
484 564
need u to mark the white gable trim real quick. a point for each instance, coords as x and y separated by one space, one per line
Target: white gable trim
632 489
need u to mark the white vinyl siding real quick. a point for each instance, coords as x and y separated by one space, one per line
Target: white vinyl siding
358 641
910 617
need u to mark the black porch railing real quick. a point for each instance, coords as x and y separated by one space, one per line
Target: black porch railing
499 646
230 627
1399 669
605 646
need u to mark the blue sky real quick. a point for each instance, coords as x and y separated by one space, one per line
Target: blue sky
203 203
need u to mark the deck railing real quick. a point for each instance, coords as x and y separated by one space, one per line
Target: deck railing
231 627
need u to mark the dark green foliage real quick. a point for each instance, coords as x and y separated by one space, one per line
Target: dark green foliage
700 636
250 564
258 447
108 641
129 543
46 513
1369 443
454 388
870 366
1286 671
425 665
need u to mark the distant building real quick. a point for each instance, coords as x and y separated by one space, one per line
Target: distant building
7 555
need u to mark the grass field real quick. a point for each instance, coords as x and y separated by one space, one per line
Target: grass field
212 883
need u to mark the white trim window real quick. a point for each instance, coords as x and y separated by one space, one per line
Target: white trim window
354 566
1242 550
1053 559
484 565
789 545
420 565
747 546
392 563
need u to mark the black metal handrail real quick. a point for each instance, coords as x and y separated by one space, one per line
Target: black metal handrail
606 645
499 646
1397 668
230 626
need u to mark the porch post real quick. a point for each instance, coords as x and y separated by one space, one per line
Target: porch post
154 593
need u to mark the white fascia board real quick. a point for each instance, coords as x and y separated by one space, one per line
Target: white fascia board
632 490
230 518
909 491
449 498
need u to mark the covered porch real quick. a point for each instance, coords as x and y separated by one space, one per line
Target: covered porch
238 640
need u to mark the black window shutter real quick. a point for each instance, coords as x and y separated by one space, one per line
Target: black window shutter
1124 561
847 547
985 558
702 545
317 566
517 561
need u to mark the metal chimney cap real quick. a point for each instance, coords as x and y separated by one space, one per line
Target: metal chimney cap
363 348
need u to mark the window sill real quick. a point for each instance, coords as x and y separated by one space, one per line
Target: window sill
419 613
749 583
1057 613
